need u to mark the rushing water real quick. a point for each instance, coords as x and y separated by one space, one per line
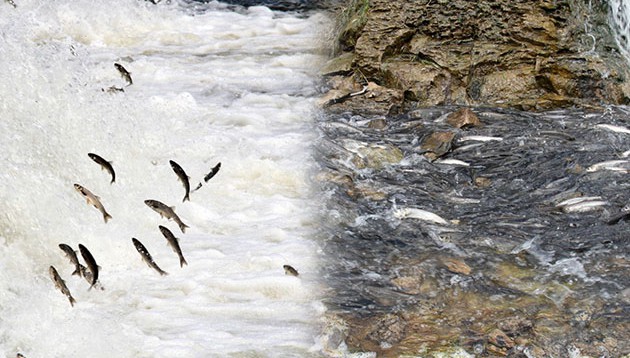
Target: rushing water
211 83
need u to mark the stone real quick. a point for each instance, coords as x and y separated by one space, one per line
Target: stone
463 117
457 266
437 144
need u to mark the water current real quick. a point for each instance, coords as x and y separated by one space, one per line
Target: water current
212 84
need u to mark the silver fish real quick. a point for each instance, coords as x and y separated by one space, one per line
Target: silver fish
146 256
104 165
289 270
181 174
173 242
126 75
72 256
60 284
91 265
93 200
166 211
209 176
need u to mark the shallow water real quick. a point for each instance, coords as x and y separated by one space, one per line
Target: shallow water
211 84
488 222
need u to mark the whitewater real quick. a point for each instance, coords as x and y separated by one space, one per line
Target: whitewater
211 84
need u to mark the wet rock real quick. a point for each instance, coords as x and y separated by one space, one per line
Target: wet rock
499 339
437 144
463 117
457 266
378 123
376 156
340 65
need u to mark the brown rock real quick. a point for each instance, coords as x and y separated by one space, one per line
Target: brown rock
499 339
520 53
437 144
457 266
463 117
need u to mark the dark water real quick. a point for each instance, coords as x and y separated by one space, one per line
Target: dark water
509 246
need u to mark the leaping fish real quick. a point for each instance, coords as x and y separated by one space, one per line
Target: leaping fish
60 284
289 270
146 256
91 265
106 165
93 200
126 75
173 242
72 256
166 211
181 174
209 176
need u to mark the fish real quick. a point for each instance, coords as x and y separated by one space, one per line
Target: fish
91 265
104 165
72 256
181 174
146 256
614 165
289 270
93 200
166 211
60 284
126 75
420 214
12 3
209 176
612 128
173 242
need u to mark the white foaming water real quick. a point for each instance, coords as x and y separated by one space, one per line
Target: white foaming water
620 22
213 86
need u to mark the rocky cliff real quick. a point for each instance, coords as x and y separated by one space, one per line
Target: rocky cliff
522 54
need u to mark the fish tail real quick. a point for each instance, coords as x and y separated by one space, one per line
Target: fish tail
79 271
187 197
106 217
163 273
72 301
182 262
183 227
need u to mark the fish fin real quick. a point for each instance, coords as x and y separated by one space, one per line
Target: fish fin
72 301
106 217
198 186
172 208
77 272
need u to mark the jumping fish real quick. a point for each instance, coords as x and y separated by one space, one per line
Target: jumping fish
289 270
181 174
72 256
12 3
60 284
104 165
146 256
166 211
126 75
93 200
91 265
209 176
173 242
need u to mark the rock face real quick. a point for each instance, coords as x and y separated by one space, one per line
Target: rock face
523 54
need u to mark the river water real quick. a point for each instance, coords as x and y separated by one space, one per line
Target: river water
405 251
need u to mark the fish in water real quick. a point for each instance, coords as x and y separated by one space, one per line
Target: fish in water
105 165
12 3
166 211
146 256
126 75
93 200
60 284
181 174
209 176
72 256
289 270
91 265
173 242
